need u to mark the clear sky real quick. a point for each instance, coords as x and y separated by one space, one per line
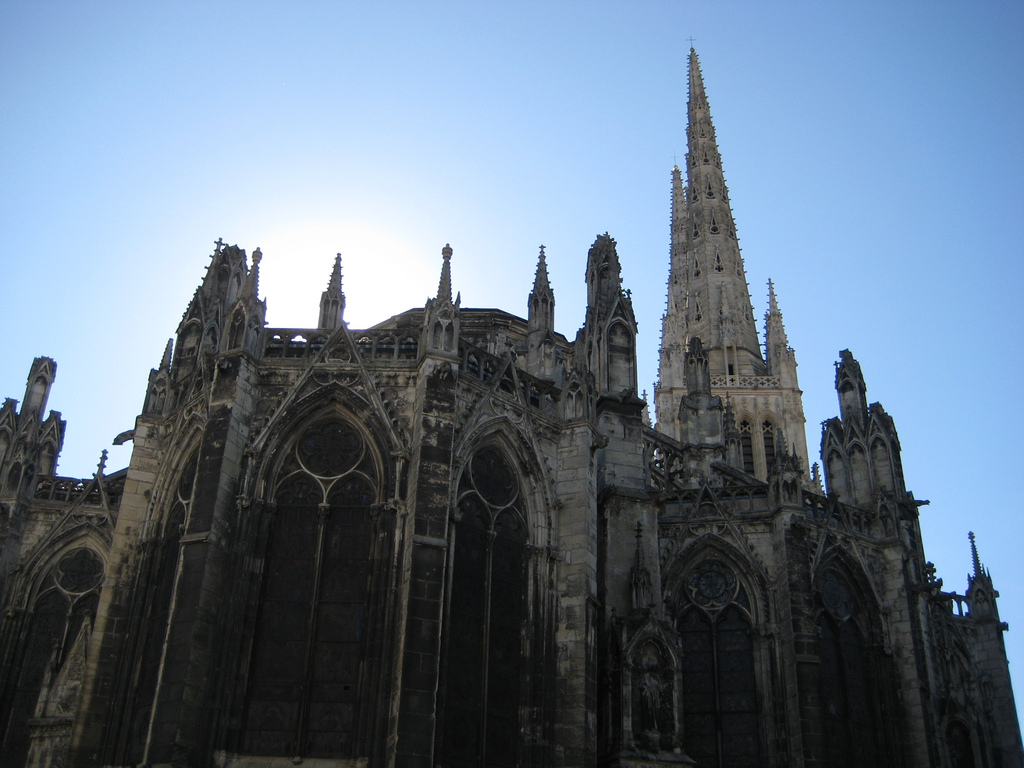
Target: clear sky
874 153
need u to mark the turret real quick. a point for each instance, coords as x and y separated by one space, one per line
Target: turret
853 402
225 313
332 301
606 345
860 449
29 443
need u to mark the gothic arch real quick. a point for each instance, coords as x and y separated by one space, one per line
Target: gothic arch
535 483
714 546
321 403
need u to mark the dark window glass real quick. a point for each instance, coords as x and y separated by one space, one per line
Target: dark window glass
847 694
719 696
304 678
483 660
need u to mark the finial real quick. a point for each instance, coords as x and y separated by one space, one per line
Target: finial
218 245
447 251
103 463
257 257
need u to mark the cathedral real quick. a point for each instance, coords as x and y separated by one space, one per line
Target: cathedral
458 538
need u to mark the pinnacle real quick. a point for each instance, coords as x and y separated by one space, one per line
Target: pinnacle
974 555
444 285
334 283
540 281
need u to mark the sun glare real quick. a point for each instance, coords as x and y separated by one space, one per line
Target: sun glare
382 273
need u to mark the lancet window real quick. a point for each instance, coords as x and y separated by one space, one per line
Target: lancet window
719 689
483 663
747 446
768 442
304 681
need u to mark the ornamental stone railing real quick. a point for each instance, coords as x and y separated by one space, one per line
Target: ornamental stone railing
745 382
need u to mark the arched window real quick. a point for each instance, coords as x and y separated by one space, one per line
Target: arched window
484 657
304 679
719 696
67 599
847 701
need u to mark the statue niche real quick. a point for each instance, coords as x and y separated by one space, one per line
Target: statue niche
653 678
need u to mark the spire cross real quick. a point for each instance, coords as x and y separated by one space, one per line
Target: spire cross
692 41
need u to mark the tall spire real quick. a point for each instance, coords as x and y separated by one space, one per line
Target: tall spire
708 294
332 301
709 299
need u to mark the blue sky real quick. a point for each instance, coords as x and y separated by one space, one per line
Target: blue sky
874 153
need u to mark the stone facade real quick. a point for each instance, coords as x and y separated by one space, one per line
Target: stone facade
454 539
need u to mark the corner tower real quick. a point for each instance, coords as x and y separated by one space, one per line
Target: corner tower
709 298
